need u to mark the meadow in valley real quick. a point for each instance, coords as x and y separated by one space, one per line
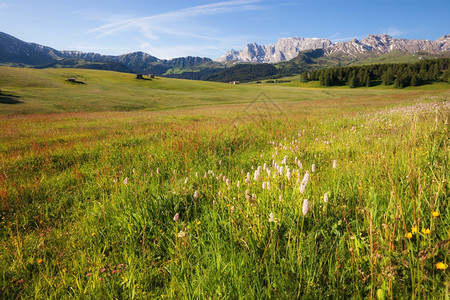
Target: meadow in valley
122 188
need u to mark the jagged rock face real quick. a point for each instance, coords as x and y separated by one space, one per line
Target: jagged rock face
288 48
381 44
284 49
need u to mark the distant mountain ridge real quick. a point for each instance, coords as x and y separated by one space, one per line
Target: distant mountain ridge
284 49
288 48
286 57
19 53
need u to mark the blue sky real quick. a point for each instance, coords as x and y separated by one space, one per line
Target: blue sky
168 29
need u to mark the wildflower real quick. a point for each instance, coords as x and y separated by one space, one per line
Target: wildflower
220 162
304 183
103 270
435 214
186 180
305 207
441 266
181 234
199 222
220 194
125 181
408 235
426 230
414 230
268 185
334 164
176 217
40 261
134 171
264 185
157 171
88 274
227 182
195 195
271 218
325 197
313 168
256 175
232 209
238 184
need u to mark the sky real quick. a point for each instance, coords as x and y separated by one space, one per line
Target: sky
208 28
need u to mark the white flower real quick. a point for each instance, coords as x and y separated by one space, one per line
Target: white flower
157 171
264 185
238 184
220 194
227 182
271 218
186 180
313 168
305 207
125 181
334 164
232 209
304 183
176 217
325 197
181 234
195 195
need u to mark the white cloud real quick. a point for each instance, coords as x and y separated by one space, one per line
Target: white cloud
392 31
178 22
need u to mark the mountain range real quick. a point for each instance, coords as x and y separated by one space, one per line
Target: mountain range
286 57
288 48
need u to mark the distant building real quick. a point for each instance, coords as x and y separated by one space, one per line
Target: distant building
234 82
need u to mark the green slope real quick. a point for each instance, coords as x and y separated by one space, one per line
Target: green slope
31 91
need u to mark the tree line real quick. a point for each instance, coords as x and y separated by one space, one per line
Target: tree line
400 75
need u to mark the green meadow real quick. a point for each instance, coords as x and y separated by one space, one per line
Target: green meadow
118 188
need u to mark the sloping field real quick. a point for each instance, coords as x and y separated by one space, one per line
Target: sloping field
124 188
30 91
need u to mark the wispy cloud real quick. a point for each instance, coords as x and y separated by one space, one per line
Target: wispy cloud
392 31
4 5
175 22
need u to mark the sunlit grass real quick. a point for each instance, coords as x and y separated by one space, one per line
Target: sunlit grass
88 199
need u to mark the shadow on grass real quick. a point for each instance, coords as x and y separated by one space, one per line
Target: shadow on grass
6 98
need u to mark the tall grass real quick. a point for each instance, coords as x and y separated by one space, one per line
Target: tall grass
88 203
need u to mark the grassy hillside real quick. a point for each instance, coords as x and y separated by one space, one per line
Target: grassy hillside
214 191
47 91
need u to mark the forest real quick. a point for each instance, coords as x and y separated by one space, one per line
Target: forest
400 75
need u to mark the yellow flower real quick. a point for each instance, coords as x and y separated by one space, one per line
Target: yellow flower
435 214
426 230
408 235
198 223
441 266
414 230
